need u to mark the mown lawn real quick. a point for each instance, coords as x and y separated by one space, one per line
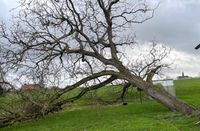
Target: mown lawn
189 90
84 115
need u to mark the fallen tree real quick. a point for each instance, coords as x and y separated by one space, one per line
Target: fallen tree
83 39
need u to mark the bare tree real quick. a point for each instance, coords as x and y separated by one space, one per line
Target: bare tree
84 38
152 61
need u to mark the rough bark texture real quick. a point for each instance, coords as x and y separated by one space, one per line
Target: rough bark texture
168 100
163 97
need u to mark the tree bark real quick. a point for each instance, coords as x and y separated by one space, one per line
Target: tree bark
163 97
160 95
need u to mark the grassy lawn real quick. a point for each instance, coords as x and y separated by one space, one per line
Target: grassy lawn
189 90
84 115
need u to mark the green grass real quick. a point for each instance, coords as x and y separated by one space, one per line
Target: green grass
189 90
149 116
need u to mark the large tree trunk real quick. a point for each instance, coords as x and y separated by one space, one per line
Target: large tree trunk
163 97
160 95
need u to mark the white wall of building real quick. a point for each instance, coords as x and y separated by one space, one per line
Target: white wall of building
168 85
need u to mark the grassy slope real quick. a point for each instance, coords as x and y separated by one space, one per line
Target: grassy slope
147 116
189 90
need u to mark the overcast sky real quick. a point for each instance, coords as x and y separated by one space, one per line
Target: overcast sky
176 23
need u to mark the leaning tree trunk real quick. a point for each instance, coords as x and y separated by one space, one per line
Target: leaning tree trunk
157 94
163 97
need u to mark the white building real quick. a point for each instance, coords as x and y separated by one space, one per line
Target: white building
168 85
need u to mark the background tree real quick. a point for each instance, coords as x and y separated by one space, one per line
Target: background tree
85 39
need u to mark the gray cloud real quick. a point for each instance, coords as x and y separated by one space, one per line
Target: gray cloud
176 23
5 8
